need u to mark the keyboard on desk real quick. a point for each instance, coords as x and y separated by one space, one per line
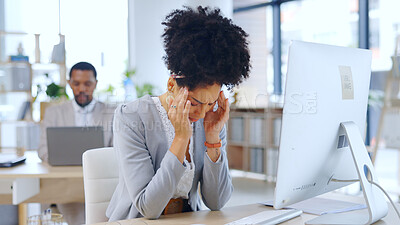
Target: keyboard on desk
269 217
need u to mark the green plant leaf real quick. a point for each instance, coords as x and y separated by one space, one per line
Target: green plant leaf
55 91
129 73
143 90
376 98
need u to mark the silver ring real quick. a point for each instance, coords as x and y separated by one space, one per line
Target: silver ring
173 106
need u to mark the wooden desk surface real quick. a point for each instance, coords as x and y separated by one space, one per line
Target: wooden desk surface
230 214
58 184
34 167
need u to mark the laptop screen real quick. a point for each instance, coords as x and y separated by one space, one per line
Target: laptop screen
67 144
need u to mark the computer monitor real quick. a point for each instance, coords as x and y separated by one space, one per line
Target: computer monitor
324 120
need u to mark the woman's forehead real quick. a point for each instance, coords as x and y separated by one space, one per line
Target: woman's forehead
208 94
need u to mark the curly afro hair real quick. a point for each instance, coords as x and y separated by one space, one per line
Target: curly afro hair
206 48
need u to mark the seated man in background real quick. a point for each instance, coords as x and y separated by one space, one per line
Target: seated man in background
83 110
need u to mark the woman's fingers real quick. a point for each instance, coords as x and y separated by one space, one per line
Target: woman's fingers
182 101
177 99
221 101
186 110
212 107
180 114
226 110
173 106
223 108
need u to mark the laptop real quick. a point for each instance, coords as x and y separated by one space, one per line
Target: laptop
67 144
11 159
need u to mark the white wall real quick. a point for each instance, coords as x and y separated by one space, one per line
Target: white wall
145 43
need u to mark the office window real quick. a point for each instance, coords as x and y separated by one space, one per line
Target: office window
97 35
257 87
95 31
384 28
320 21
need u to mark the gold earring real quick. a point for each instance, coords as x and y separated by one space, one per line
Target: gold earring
167 99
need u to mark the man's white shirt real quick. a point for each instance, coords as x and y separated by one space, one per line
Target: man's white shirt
83 115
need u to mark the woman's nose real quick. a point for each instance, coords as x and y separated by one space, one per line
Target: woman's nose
203 111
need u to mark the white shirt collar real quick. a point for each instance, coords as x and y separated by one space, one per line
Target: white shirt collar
84 110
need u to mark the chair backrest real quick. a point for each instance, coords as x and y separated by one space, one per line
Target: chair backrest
100 178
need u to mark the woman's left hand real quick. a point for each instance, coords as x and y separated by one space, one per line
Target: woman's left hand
214 121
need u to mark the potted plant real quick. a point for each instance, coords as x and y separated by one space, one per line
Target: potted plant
54 92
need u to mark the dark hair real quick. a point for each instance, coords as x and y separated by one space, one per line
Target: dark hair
83 66
206 48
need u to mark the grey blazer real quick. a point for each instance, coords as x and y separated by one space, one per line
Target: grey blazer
63 115
149 172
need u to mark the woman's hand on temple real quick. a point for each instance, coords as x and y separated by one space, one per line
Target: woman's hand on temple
178 114
215 121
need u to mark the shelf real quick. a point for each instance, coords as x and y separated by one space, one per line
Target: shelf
273 108
6 92
235 143
257 146
13 63
12 33
24 77
252 138
43 66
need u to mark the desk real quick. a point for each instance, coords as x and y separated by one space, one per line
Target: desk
37 182
230 214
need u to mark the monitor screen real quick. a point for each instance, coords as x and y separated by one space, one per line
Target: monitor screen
325 86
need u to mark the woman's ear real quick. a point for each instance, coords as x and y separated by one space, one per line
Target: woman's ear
172 85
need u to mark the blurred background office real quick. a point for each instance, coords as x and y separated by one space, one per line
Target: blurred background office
41 39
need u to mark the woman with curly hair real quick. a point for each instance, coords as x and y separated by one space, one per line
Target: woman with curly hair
169 145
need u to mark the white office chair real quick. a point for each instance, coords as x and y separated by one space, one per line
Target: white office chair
100 178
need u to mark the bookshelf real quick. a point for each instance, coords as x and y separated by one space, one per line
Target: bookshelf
16 106
15 91
253 139
20 75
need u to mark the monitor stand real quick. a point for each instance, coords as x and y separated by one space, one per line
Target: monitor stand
377 207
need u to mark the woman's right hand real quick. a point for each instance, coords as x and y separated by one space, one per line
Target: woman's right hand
178 114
